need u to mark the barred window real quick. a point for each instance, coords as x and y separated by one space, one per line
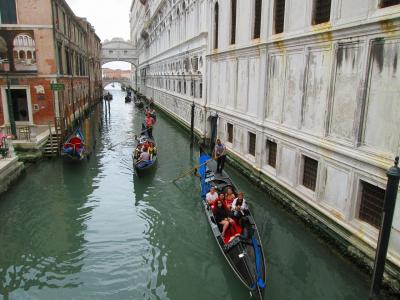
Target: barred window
257 18
371 206
386 3
229 129
310 173
233 21
322 11
271 148
279 15
252 144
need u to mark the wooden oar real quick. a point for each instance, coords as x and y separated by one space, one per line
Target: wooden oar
191 170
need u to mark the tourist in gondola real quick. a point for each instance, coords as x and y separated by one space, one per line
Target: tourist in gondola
144 155
211 196
222 217
221 197
229 197
239 206
219 155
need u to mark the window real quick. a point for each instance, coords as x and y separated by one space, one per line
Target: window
322 11
386 3
371 206
279 15
184 87
233 21
252 144
60 61
8 13
216 11
201 90
179 86
229 129
257 19
310 173
271 153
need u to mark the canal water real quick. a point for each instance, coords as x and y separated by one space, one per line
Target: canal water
93 230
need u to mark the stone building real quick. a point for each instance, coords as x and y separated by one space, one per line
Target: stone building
43 42
306 94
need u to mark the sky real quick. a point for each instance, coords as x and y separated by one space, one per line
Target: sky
110 18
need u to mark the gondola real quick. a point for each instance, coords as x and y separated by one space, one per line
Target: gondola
243 251
108 96
138 103
128 99
143 167
74 148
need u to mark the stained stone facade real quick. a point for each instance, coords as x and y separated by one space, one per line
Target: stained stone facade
307 94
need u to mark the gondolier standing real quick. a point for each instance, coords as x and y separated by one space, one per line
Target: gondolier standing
219 155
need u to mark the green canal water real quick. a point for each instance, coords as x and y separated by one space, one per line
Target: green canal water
93 230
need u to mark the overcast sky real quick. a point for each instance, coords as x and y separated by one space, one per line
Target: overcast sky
110 18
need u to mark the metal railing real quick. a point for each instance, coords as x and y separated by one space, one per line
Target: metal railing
23 132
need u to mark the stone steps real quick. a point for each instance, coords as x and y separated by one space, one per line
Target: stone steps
52 146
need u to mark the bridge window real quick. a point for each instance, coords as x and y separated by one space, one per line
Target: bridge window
271 153
201 90
184 87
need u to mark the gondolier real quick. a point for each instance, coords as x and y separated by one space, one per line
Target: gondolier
219 155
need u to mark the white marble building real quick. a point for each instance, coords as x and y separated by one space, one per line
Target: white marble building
307 94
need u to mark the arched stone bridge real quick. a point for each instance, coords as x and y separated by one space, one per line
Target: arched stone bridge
118 50
121 80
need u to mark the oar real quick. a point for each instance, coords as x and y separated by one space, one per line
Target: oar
192 169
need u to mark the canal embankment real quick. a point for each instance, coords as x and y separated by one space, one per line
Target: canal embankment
10 169
336 235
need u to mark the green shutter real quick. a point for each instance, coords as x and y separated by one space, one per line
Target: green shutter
8 12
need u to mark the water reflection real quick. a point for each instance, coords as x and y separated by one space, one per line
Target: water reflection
40 246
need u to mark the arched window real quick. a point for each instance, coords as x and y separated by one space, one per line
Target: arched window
233 21
216 12
257 18
29 55
21 54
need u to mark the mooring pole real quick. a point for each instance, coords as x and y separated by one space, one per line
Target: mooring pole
192 125
392 186
10 109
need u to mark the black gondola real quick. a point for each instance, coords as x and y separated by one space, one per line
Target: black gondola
108 96
138 103
142 167
128 99
243 251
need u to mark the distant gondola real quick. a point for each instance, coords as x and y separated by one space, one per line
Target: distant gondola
138 103
74 148
142 167
108 96
128 99
243 251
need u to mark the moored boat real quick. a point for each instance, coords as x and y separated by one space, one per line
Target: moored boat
74 148
242 249
128 99
145 143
